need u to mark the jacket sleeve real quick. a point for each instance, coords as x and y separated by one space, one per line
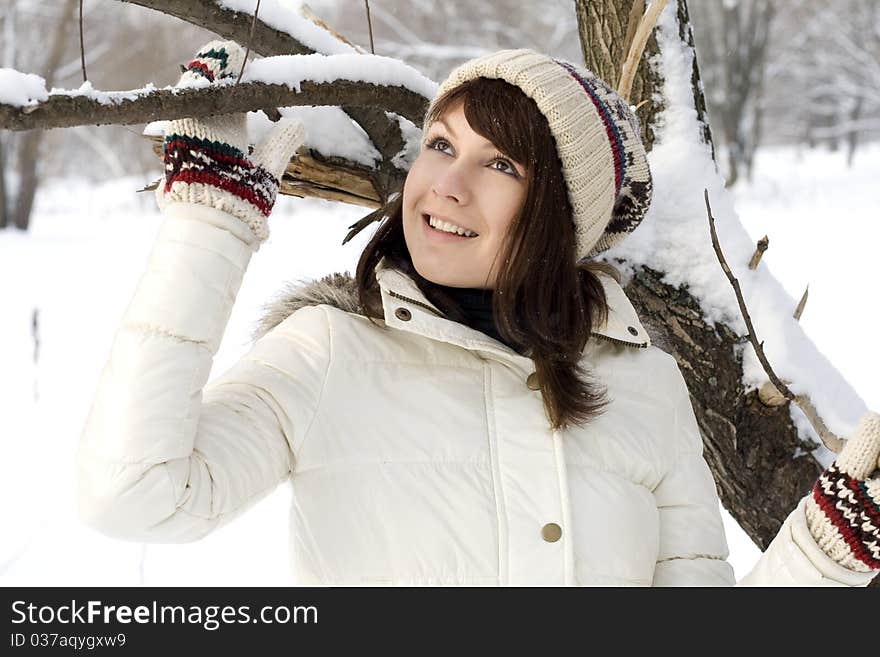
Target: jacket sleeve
163 457
693 547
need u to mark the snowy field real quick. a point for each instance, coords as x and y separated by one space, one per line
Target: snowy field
77 268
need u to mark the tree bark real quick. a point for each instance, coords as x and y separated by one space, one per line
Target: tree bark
749 446
602 26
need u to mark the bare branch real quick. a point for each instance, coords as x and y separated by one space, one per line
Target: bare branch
82 47
370 27
229 24
249 42
803 402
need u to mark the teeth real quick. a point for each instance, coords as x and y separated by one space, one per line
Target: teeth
449 228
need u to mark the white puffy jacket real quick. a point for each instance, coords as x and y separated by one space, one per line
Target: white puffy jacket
418 451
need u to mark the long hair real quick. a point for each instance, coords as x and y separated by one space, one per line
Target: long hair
543 301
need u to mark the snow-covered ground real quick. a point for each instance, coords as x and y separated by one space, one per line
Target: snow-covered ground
79 264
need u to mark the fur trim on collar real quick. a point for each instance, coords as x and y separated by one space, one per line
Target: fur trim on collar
338 290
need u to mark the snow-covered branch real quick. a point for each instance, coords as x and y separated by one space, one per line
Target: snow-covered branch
294 80
278 30
377 84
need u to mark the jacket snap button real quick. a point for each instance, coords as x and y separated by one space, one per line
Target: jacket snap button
633 330
551 532
403 314
532 381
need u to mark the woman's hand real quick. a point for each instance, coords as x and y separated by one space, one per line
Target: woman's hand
206 160
843 510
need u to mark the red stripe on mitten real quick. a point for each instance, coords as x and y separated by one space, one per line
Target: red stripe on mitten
843 510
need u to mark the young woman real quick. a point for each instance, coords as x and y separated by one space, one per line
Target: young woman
481 406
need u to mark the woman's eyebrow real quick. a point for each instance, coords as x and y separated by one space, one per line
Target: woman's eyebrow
448 127
487 145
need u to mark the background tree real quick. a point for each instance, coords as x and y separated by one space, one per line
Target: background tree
830 70
137 48
733 49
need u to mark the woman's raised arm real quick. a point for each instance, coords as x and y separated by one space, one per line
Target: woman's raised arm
161 459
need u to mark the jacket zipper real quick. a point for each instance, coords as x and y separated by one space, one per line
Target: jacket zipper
439 314
418 303
617 341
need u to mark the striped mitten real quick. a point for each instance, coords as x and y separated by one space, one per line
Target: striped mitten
206 160
843 510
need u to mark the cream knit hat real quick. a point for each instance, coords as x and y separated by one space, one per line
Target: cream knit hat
597 138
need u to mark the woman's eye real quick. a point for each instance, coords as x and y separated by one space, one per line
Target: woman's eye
509 167
506 167
438 144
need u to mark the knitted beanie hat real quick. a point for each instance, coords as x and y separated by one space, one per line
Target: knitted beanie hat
597 138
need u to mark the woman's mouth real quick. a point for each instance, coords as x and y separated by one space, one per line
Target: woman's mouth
448 234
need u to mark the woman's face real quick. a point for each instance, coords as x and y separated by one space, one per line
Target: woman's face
460 178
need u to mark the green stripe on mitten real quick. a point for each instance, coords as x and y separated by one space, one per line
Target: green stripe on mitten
206 160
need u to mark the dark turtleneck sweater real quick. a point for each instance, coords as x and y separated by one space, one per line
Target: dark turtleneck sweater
477 306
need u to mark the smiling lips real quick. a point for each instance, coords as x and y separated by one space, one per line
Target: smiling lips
438 225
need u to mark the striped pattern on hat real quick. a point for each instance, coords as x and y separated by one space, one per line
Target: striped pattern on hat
597 138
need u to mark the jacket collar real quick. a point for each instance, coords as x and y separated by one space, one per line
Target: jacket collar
406 308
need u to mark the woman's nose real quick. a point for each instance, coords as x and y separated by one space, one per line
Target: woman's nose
451 183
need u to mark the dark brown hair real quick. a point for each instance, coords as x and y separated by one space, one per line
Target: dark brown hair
543 301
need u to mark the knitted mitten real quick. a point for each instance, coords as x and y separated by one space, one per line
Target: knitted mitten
206 159
843 510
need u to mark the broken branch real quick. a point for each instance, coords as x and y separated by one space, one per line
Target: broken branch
801 304
634 54
762 245
310 174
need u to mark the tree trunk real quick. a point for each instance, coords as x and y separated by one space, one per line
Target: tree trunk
7 60
748 445
732 164
603 29
853 138
29 147
28 177
3 217
602 25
